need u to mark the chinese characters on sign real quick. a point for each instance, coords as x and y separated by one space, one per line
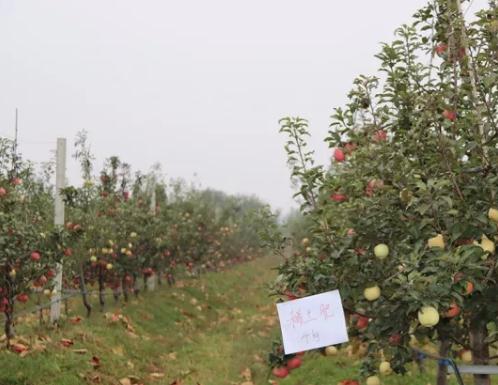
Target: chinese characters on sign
312 322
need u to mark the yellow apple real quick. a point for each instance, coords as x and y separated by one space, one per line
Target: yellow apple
363 349
381 251
373 380
371 293
431 349
88 183
349 350
493 214
413 341
385 368
436 242
466 356
109 266
93 258
12 273
330 351
133 235
305 242
47 292
428 316
487 244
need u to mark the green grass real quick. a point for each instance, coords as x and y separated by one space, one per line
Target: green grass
203 332
318 369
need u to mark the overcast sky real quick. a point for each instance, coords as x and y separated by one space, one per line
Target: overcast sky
196 85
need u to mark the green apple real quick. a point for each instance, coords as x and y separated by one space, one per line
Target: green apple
381 251
371 293
493 214
373 380
330 351
436 242
428 316
385 368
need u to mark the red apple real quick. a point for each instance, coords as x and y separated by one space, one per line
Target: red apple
290 295
349 382
35 256
450 115
362 322
50 274
3 192
469 288
395 339
339 155
452 311
380 136
441 49
280 372
294 363
17 181
23 297
338 197
68 252
350 147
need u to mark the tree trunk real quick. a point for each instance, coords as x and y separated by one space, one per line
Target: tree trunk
66 306
480 349
101 290
420 363
171 279
9 321
124 285
136 288
84 294
116 294
40 312
442 370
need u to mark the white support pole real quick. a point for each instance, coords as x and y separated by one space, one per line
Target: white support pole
60 181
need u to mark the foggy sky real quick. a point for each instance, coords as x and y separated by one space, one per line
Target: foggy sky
197 85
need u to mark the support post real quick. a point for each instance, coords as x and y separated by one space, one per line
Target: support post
60 181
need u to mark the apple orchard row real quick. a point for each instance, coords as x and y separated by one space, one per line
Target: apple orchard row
118 230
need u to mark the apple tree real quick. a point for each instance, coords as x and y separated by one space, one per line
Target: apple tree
404 222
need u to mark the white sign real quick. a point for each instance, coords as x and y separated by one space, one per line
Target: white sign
312 322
